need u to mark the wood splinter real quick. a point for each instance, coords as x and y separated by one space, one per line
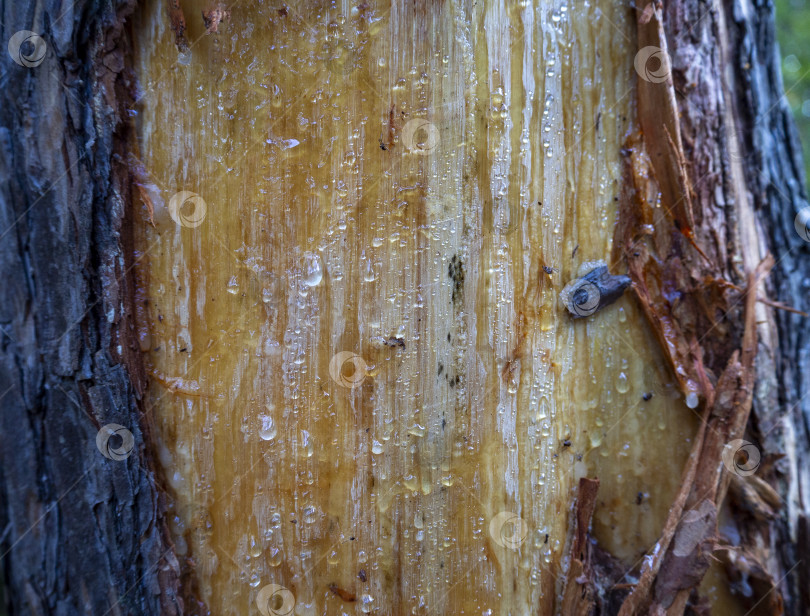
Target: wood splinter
213 17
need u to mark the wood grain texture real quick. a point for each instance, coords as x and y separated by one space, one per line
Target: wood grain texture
480 402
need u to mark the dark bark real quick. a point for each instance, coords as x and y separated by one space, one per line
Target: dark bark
775 178
81 534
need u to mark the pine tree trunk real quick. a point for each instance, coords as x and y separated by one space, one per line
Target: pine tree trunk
406 190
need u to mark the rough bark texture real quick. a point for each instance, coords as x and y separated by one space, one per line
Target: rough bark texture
773 176
739 106
80 532
719 156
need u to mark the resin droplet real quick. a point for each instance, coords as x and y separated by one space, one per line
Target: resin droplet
313 272
268 429
366 604
622 384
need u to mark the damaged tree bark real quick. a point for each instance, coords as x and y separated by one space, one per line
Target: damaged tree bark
709 151
81 533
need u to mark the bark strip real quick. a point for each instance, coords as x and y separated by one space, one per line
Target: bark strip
82 533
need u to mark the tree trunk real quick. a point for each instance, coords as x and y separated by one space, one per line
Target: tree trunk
392 408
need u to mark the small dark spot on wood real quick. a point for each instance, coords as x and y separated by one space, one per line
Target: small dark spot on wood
598 118
283 11
444 423
184 349
448 337
639 498
647 396
351 538
546 540
566 443
441 368
362 575
394 341
575 251
455 271
343 594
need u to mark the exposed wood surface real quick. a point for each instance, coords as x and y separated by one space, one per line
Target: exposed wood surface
440 269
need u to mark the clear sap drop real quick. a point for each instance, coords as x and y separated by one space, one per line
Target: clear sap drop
268 430
622 384
366 603
313 272
368 274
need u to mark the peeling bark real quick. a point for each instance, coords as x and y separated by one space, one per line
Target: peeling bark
719 191
578 596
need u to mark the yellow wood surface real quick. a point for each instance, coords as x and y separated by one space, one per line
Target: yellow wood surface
388 182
